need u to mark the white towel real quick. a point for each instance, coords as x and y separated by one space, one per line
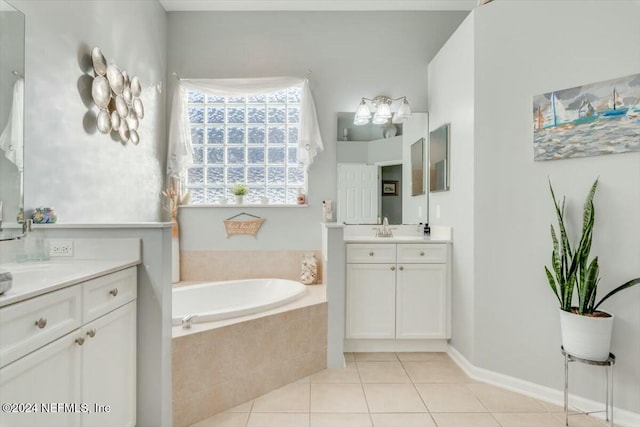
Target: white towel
179 149
11 140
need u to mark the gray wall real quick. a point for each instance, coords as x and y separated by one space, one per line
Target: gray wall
351 55
517 326
85 175
451 100
515 321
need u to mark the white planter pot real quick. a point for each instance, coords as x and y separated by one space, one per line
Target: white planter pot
585 336
239 199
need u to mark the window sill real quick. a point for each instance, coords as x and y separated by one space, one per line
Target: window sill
243 206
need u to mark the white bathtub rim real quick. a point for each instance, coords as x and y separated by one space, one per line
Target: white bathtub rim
237 310
315 294
196 284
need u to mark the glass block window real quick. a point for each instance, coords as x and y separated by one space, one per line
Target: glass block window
250 139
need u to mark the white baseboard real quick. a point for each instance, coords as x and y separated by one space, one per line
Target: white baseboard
392 345
621 417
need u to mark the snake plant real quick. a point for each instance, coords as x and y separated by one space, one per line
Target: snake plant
572 270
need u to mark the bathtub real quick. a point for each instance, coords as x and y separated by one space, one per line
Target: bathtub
223 300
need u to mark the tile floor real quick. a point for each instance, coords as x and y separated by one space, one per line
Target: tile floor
394 390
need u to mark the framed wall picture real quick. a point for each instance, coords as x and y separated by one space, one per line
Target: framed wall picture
439 159
390 188
590 120
417 167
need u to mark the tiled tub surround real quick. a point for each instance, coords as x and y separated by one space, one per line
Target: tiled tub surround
237 265
218 365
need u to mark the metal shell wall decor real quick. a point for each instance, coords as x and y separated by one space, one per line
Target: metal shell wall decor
117 95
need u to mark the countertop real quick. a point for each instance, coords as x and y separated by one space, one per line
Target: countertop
394 239
31 279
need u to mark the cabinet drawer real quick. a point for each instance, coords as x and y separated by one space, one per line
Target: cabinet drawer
371 254
422 253
107 293
31 324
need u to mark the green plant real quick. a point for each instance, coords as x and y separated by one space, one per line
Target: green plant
572 269
239 189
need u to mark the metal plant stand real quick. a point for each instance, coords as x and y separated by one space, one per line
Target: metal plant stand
609 373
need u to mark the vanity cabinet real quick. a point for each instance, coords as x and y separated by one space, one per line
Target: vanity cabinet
109 368
46 376
397 291
421 301
371 290
85 376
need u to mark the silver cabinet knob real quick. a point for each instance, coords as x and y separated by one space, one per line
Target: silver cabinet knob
91 333
114 291
421 253
41 322
80 341
401 268
393 268
371 253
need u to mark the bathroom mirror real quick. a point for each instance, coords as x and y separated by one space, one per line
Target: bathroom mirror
439 159
12 25
373 172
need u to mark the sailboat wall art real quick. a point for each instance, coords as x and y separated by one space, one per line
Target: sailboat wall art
590 120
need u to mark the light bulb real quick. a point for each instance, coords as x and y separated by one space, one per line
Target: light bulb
403 113
384 110
379 120
363 114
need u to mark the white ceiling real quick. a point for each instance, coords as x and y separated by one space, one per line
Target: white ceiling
316 5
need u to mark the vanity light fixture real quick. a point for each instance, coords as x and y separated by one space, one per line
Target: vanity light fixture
378 110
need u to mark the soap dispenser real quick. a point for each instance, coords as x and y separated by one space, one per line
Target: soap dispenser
427 231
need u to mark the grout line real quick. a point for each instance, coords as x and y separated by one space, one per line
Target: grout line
366 401
479 400
494 417
416 389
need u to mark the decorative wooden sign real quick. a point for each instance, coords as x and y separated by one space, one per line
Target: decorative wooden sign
249 227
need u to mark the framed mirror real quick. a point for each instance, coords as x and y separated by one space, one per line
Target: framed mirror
369 172
12 25
439 159
374 171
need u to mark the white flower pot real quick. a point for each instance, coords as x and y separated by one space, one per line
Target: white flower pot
585 336
239 199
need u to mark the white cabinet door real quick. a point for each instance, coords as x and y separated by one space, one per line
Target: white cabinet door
50 379
421 301
370 305
357 193
109 368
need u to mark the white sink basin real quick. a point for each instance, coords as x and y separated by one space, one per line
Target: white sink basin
34 278
39 267
407 238
392 239
33 273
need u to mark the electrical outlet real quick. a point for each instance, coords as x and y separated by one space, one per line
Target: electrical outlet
59 247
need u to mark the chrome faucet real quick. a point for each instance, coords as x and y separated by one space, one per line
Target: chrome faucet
385 230
26 229
188 320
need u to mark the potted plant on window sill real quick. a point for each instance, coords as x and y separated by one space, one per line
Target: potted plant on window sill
239 190
586 331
